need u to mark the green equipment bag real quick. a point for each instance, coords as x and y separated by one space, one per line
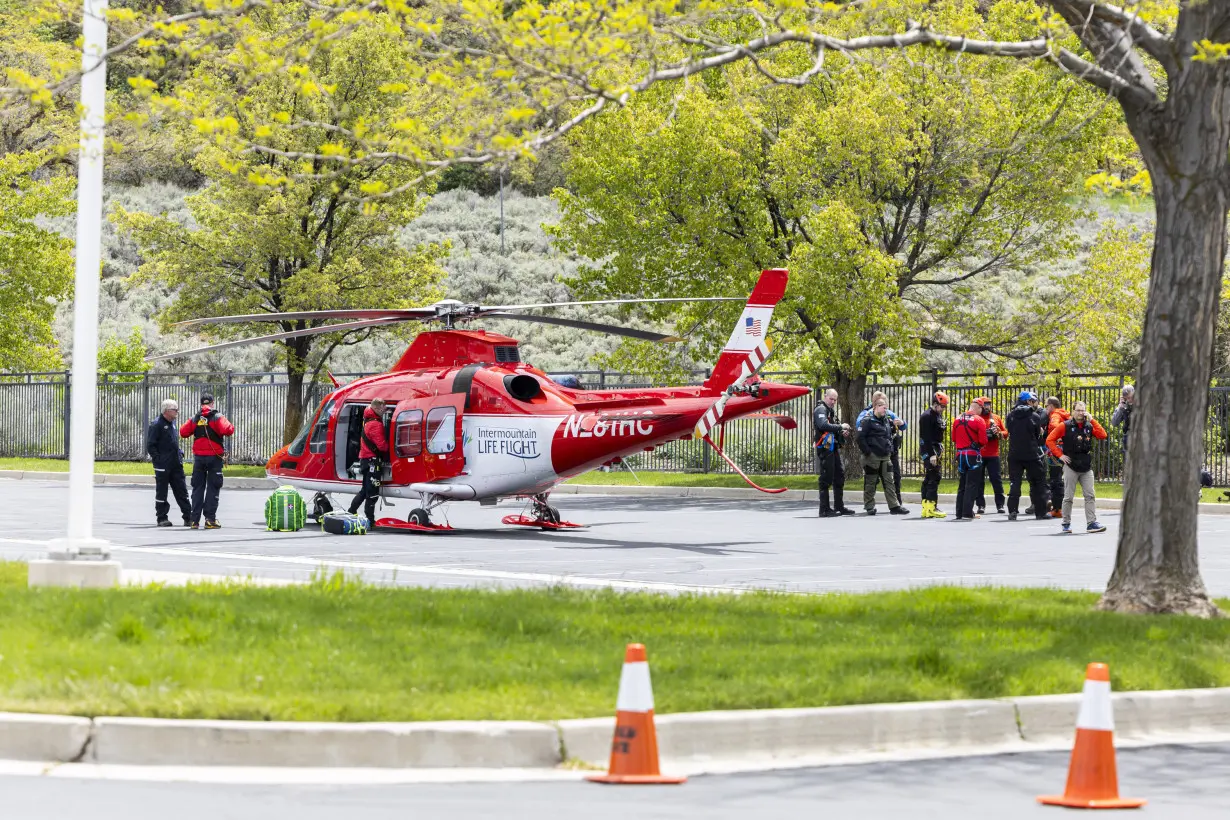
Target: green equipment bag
285 510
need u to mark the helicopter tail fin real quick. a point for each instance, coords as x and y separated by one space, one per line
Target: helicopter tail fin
749 343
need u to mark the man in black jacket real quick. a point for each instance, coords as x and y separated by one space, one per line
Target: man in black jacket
1026 436
162 445
875 440
829 435
931 451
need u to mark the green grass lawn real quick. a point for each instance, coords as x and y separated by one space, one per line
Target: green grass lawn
56 465
337 650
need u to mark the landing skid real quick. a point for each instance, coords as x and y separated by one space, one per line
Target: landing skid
542 515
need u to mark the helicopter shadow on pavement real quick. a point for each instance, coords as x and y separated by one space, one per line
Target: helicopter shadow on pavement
572 540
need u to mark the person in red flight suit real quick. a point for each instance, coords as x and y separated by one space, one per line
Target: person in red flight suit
373 454
969 436
990 457
208 430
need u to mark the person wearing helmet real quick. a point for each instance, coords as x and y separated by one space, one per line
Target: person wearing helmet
931 451
1026 427
990 457
1055 416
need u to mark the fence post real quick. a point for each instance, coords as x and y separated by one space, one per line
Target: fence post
602 378
230 392
68 403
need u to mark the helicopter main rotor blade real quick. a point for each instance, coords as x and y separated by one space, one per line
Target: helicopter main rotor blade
274 337
307 315
615 330
486 308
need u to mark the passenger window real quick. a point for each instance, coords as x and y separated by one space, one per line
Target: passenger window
441 435
408 435
320 433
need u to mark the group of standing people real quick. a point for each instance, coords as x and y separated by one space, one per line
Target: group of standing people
1046 445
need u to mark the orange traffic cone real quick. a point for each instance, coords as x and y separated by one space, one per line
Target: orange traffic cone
634 751
1093 781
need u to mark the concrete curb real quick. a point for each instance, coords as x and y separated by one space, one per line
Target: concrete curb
107 479
768 737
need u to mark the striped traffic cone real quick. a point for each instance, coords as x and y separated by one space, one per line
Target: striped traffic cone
1093 781
634 750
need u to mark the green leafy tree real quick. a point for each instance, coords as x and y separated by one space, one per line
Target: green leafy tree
125 356
36 264
266 242
899 198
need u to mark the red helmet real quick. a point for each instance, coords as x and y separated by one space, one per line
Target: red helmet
940 398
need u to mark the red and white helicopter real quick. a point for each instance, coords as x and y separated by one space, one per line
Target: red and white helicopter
469 421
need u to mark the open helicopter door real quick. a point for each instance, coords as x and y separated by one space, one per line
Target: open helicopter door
426 439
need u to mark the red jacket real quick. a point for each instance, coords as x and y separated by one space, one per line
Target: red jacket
201 425
992 448
374 427
969 433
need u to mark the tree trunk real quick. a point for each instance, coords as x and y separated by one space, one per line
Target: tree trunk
294 406
1157 567
296 369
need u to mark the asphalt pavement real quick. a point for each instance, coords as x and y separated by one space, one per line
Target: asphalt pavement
1180 782
669 544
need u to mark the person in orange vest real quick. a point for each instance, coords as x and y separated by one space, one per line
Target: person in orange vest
208 430
1072 443
1055 415
969 436
996 431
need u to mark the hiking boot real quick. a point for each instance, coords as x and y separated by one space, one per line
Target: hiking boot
1029 510
828 514
846 511
1067 529
165 522
187 521
1056 513
193 525
1012 516
899 511
999 510
981 511
212 524
1094 526
871 512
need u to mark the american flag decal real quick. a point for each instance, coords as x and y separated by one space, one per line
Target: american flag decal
753 327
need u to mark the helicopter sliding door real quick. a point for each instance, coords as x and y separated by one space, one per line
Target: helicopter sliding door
427 439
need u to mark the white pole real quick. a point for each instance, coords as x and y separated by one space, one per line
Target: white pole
81 539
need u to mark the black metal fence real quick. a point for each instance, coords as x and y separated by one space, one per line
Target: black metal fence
35 407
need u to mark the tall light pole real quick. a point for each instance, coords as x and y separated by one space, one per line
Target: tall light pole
67 567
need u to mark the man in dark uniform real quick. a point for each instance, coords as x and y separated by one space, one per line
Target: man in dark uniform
1026 425
931 451
162 445
829 434
208 429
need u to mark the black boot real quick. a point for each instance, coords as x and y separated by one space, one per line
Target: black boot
839 502
825 510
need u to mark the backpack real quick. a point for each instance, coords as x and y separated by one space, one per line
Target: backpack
344 523
285 510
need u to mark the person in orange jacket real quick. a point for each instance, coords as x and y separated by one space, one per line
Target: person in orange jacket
208 430
996 431
1055 415
1071 442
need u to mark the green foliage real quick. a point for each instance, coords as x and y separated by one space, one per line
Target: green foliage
36 264
912 201
124 356
264 242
